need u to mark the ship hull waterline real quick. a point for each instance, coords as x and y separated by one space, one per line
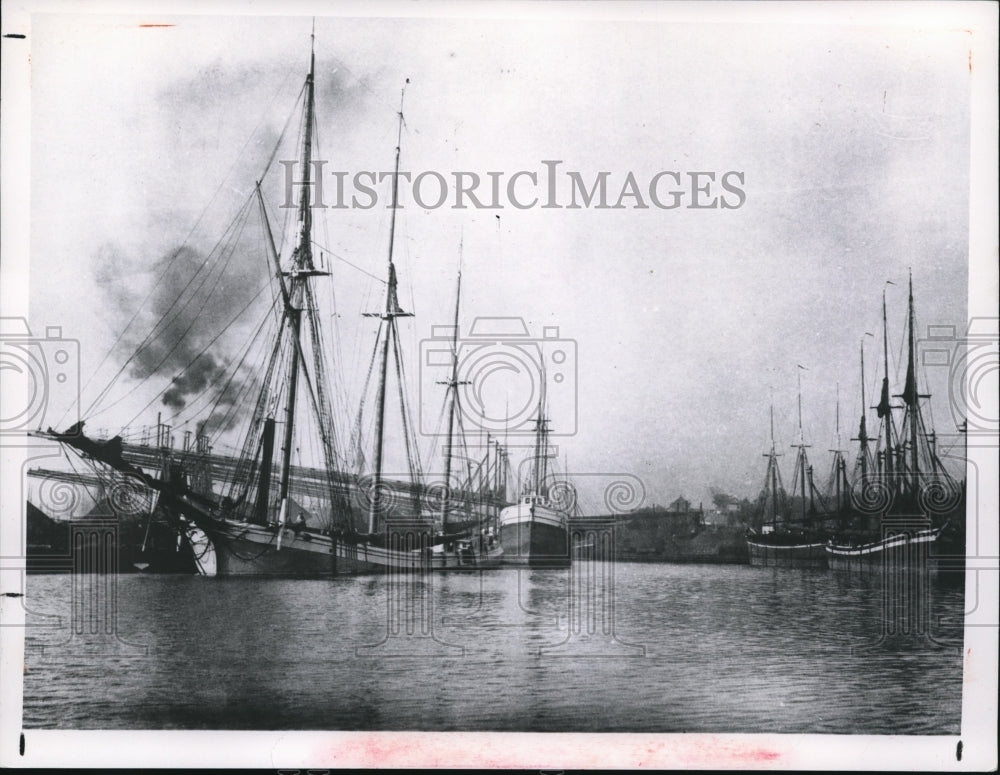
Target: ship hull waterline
804 555
898 551
534 540
456 560
246 549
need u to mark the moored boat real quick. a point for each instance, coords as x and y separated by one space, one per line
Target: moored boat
472 544
906 505
787 550
535 531
904 549
783 541
244 520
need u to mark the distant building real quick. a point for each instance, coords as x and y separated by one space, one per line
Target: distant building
681 505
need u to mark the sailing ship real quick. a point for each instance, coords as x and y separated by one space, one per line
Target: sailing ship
257 527
534 531
782 541
838 485
470 543
904 507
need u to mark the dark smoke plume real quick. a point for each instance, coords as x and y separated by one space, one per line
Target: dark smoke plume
201 375
191 303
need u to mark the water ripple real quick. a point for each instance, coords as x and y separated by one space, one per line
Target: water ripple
694 649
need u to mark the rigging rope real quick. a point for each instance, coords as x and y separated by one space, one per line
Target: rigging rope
246 461
204 350
238 223
90 411
410 441
356 436
142 305
247 387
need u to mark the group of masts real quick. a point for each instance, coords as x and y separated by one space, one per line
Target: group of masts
487 478
839 486
898 461
291 406
390 336
296 297
775 499
493 471
896 464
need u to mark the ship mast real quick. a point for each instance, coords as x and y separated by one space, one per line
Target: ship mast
772 476
883 408
301 269
801 462
910 398
862 438
838 462
452 386
498 476
392 311
541 442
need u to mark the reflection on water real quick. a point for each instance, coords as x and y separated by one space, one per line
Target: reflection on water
676 648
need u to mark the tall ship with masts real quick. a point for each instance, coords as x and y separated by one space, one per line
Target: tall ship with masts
535 531
837 493
258 516
467 539
780 538
902 507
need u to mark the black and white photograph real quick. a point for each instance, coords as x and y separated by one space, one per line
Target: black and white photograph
515 385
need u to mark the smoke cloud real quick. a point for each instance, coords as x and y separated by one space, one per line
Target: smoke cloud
203 373
173 335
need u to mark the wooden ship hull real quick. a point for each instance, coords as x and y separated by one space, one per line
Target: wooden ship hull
534 536
777 554
902 550
246 549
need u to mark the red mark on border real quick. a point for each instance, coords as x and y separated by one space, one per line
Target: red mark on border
724 754
378 750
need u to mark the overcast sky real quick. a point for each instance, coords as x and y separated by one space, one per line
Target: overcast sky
851 142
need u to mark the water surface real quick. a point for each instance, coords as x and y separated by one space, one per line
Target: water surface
694 648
